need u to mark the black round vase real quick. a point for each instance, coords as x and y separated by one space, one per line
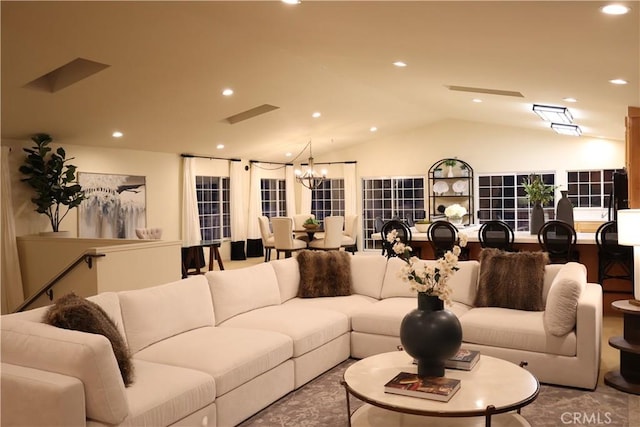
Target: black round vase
430 334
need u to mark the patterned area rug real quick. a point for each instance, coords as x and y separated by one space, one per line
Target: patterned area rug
322 402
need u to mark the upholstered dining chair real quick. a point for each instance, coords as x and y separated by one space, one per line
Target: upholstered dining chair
153 233
443 236
404 234
283 237
268 241
332 239
614 260
496 234
350 233
558 239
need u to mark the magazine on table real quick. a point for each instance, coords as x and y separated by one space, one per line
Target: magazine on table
464 359
434 388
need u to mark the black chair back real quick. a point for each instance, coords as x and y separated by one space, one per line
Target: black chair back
404 234
496 234
558 238
443 236
614 260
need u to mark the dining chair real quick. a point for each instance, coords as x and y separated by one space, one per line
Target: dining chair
443 236
153 233
332 239
614 260
298 224
558 239
350 233
283 237
404 234
268 240
496 234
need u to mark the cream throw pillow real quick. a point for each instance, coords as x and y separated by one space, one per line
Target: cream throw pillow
562 301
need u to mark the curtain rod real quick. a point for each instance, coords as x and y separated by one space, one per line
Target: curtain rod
270 163
208 157
348 162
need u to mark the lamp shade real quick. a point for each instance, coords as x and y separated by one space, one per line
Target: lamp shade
629 227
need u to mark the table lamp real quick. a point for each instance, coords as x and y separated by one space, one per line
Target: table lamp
629 235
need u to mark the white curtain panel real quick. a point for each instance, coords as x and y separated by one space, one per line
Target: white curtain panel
12 293
289 180
350 188
190 222
237 199
255 203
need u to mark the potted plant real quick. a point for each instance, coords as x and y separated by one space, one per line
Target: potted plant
464 170
53 180
539 194
311 223
437 173
450 163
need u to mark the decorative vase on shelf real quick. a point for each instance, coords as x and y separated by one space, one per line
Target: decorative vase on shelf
536 221
450 172
437 173
430 334
564 210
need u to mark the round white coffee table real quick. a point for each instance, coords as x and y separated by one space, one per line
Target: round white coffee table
491 394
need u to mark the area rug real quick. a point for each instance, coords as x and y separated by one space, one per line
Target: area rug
322 402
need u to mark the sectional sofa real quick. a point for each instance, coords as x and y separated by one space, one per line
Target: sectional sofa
213 350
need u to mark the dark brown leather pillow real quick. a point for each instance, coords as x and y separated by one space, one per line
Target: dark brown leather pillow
73 312
511 279
324 273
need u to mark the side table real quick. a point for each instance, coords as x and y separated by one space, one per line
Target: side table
627 378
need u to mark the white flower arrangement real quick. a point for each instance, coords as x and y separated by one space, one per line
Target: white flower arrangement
455 211
430 279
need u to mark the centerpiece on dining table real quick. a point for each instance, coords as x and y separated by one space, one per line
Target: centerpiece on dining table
311 223
430 333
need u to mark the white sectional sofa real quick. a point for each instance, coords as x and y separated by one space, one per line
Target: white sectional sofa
213 350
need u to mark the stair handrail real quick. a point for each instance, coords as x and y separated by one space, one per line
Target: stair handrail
46 289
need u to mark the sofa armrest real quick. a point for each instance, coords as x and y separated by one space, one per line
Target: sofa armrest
589 329
32 397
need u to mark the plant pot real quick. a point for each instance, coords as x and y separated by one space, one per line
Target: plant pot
422 227
437 173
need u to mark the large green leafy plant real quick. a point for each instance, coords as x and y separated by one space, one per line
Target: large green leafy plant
53 180
538 191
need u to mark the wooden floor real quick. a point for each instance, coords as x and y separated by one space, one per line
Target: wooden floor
611 325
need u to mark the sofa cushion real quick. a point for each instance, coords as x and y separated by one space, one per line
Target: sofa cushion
232 356
88 357
288 275
511 279
324 273
163 395
348 305
393 285
367 274
562 301
242 290
153 314
514 329
309 328
73 312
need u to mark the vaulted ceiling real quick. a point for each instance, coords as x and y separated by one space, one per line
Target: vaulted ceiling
166 64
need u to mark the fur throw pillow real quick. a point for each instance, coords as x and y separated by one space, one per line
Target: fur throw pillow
73 312
511 279
324 273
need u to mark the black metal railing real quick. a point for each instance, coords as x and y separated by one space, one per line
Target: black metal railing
46 289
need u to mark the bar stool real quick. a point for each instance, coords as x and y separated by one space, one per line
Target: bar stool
404 234
558 239
496 234
614 261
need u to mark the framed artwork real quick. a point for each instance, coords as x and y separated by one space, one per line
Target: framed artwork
114 207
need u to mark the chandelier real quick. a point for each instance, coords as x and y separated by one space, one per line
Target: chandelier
310 178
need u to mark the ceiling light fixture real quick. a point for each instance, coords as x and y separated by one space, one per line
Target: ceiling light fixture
569 99
618 81
615 9
373 129
553 114
477 100
220 146
310 178
117 134
316 115
291 1
400 64
227 92
565 129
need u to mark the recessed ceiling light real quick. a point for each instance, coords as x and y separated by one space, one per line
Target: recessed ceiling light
220 146
373 128
477 100
400 64
569 99
615 9
288 154
227 92
316 115
291 1
117 134
618 81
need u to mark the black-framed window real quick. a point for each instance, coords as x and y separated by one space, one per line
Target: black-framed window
502 196
273 193
590 188
328 199
388 198
213 207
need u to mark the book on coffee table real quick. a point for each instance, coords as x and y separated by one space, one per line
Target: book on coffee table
434 388
464 359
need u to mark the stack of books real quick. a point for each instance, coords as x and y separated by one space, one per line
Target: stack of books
434 388
464 359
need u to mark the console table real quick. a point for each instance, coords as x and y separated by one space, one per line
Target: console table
191 254
627 378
